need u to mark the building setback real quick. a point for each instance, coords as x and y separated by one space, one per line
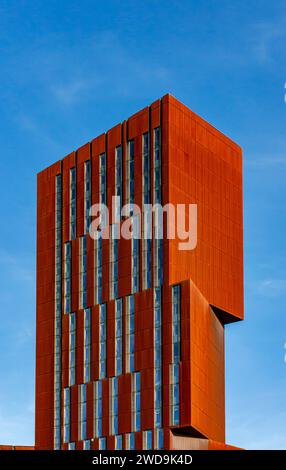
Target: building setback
130 333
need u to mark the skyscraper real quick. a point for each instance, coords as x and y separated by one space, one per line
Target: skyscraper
130 332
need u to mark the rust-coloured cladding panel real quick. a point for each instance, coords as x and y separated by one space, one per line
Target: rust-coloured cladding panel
205 168
45 306
207 398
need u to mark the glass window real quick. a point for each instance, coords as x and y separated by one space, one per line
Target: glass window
102 443
102 341
87 345
87 194
147 440
118 337
82 412
136 405
114 405
72 203
72 348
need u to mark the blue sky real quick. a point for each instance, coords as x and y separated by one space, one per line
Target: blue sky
69 71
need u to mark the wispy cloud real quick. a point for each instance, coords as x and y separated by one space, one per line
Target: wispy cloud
265 38
17 428
16 267
269 287
266 162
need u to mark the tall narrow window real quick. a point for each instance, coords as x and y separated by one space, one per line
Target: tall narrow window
87 194
98 270
146 199
157 358
98 242
176 356
136 401
102 179
83 272
118 181
113 406
102 443
159 438
176 323
146 186
72 348
113 243
72 203
71 446
130 441
98 408
146 263
67 278
157 196
147 440
58 314
135 253
102 341
118 337
87 345
118 442
157 166
130 173
86 444
66 415
82 412
129 341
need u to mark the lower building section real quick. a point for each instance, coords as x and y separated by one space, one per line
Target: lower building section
142 372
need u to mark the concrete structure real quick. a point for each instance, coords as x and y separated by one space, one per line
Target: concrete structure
130 334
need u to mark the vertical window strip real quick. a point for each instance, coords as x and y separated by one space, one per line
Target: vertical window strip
83 272
159 438
130 336
118 337
102 341
146 199
72 348
147 439
135 253
102 179
176 356
87 194
67 277
130 174
82 412
118 181
98 270
87 345
113 244
157 358
130 441
98 408
157 199
71 446
102 443
176 324
58 313
72 203
146 193
86 445
157 166
113 393
136 401
146 262
66 436
118 442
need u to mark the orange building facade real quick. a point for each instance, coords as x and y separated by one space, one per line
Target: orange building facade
130 333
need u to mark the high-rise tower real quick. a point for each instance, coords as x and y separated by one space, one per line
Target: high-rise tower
130 332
